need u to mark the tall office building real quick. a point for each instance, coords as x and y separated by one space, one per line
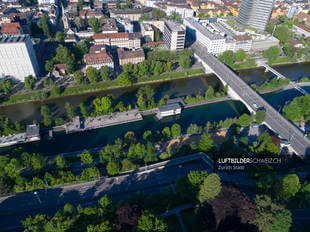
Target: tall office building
174 35
255 13
17 57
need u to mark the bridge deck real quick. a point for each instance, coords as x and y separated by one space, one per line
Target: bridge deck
274 119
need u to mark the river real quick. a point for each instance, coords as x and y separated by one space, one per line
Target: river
26 112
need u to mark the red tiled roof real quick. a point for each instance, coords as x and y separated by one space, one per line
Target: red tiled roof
242 37
122 54
10 28
98 58
119 35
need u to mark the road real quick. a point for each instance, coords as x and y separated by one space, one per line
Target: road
15 208
274 119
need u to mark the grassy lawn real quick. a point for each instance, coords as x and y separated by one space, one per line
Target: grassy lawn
284 60
173 223
193 221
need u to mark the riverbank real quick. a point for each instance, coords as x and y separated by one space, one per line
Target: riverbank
100 86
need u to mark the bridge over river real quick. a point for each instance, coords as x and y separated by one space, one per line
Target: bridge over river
240 90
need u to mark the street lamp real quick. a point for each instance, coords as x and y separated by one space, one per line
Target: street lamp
36 193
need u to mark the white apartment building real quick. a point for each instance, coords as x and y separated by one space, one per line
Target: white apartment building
174 35
183 10
121 40
215 43
17 57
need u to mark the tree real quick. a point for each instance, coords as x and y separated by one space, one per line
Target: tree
118 4
209 93
113 168
59 37
60 161
158 13
166 132
49 65
149 222
37 162
105 73
83 110
105 201
151 154
86 158
44 25
6 86
244 120
271 217
13 168
287 187
227 57
210 188
260 116
288 49
47 117
272 53
143 17
79 49
176 130
79 77
206 143
103 105
29 82
128 3
176 16
94 24
193 129
92 74
184 61
282 33
124 79
70 110
240 55
145 97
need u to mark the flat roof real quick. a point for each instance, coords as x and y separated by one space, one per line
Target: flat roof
174 106
175 26
203 29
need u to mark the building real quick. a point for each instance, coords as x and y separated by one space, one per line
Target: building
125 25
174 35
121 39
147 31
301 29
169 110
183 10
132 14
214 42
279 11
243 42
17 57
42 2
255 13
134 57
160 24
293 10
98 57
303 18
11 29
109 26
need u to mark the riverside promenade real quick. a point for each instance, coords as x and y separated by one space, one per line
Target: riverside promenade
77 125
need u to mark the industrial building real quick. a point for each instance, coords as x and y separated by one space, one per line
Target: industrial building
17 57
